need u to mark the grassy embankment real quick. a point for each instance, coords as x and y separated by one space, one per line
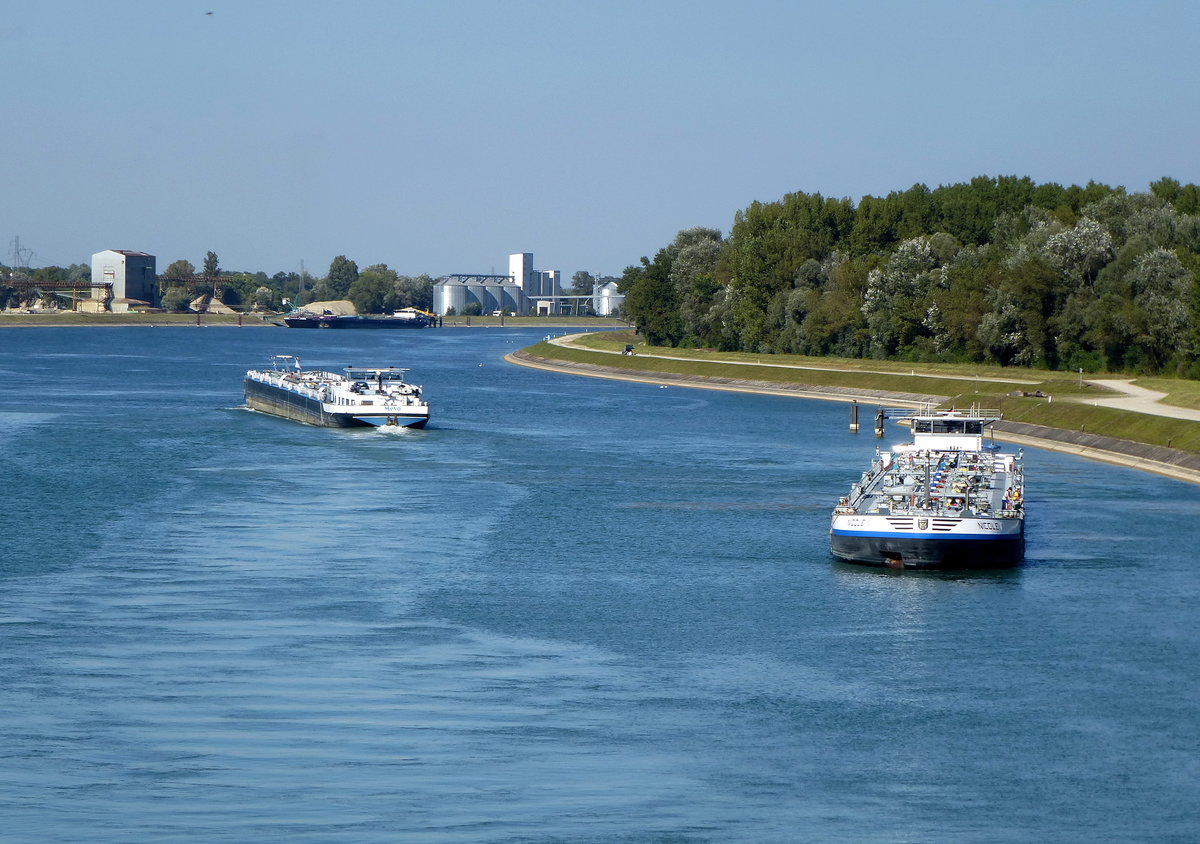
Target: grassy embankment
990 385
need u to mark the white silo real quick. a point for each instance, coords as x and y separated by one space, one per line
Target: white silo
511 298
447 294
491 298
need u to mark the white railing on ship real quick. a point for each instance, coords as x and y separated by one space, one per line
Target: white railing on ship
972 412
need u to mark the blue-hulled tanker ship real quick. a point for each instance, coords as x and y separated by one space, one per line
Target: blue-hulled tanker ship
945 500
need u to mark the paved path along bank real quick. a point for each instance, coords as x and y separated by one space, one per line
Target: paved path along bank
1138 399
736 385
568 341
1170 462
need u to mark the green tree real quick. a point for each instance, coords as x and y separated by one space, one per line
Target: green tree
212 268
695 256
581 284
1082 250
50 275
374 290
265 299
176 300
1189 200
179 270
1002 333
1162 289
918 212
874 228
414 292
1166 189
79 273
319 292
897 300
342 274
650 300
968 211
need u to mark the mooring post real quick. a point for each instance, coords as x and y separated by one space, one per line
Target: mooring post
879 423
854 416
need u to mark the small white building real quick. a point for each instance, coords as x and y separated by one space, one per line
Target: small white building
606 301
133 275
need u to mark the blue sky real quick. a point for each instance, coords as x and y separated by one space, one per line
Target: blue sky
439 136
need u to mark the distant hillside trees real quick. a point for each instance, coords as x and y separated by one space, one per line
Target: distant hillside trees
1000 270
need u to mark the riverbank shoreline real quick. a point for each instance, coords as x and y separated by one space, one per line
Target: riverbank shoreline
1168 462
257 321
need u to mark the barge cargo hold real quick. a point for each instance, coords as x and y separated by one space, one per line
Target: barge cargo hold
356 397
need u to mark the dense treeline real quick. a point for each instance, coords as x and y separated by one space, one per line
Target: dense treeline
1000 270
375 289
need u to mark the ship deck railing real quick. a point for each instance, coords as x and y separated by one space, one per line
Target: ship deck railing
972 412
935 511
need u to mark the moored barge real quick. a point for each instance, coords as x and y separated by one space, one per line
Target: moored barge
403 318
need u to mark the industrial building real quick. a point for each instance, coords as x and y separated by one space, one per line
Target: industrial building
452 295
131 277
522 291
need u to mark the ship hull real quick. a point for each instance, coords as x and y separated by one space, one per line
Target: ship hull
1001 549
299 408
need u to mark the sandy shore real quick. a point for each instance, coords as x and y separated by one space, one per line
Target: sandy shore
1169 462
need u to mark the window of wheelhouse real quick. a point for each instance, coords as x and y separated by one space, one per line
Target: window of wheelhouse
949 426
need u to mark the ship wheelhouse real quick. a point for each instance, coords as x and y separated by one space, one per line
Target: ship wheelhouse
950 431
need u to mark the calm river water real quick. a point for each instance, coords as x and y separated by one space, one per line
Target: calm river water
570 610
